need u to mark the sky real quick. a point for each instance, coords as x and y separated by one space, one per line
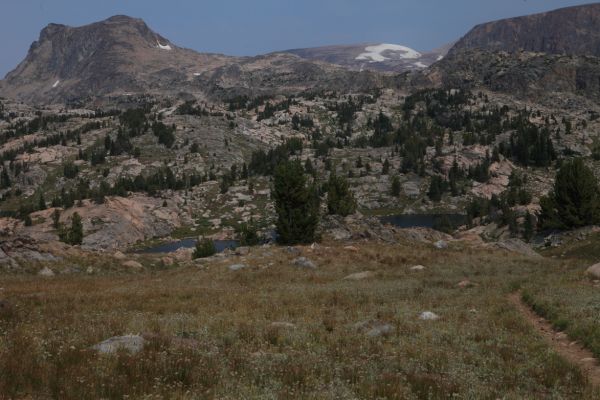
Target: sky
251 27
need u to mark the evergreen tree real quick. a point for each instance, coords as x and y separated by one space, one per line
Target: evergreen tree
296 204
56 218
528 227
204 248
395 190
437 188
386 167
340 200
73 235
41 202
4 179
574 201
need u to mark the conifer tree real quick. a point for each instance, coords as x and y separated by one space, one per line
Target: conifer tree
340 200
574 201
296 204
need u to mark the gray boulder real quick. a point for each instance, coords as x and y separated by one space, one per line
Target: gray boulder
441 244
594 271
46 272
237 267
132 343
304 263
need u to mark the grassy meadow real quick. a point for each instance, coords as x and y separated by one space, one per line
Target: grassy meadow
275 331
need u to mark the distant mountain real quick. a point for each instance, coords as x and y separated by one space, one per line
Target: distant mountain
118 55
381 57
122 56
572 30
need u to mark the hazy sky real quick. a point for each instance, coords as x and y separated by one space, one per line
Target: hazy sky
249 27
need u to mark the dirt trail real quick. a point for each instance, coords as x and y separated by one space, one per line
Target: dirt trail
560 342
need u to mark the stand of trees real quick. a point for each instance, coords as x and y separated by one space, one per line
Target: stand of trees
574 200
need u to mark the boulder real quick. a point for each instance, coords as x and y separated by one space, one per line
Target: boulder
428 316
237 267
133 264
46 272
304 263
517 246
293 251
374 328
119 255
131 343
417 268
359 276
283 325
594 271
242 251
441 244
167 261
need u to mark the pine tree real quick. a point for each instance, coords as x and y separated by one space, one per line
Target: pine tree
296 204
74 235
41 202
437 188
4 179
395 190
386 167
56 218
574 201
528 227
340 200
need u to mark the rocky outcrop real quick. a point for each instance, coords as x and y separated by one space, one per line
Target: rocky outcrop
572 31
529 74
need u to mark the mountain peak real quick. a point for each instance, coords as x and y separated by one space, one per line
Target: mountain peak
122 19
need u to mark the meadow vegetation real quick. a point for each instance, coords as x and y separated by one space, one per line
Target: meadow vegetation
273 330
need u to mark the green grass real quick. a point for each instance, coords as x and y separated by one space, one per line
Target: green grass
570 301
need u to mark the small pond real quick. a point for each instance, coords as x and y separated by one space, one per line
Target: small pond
425 220
190 243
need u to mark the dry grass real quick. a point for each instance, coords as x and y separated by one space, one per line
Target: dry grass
480 348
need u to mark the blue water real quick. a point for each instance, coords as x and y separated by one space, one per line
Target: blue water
423 220
190 243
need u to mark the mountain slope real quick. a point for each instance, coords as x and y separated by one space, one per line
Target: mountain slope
572 30
381 57
120 54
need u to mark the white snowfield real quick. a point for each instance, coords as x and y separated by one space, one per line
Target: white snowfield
165 47
55 84
419 64
375 53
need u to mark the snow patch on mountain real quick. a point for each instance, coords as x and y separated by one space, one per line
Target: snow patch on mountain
377 53
163 47
55 84
419 64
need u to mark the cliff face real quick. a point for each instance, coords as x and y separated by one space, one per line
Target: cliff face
572 30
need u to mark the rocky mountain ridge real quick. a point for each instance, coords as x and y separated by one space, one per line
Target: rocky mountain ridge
380 57
566 31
